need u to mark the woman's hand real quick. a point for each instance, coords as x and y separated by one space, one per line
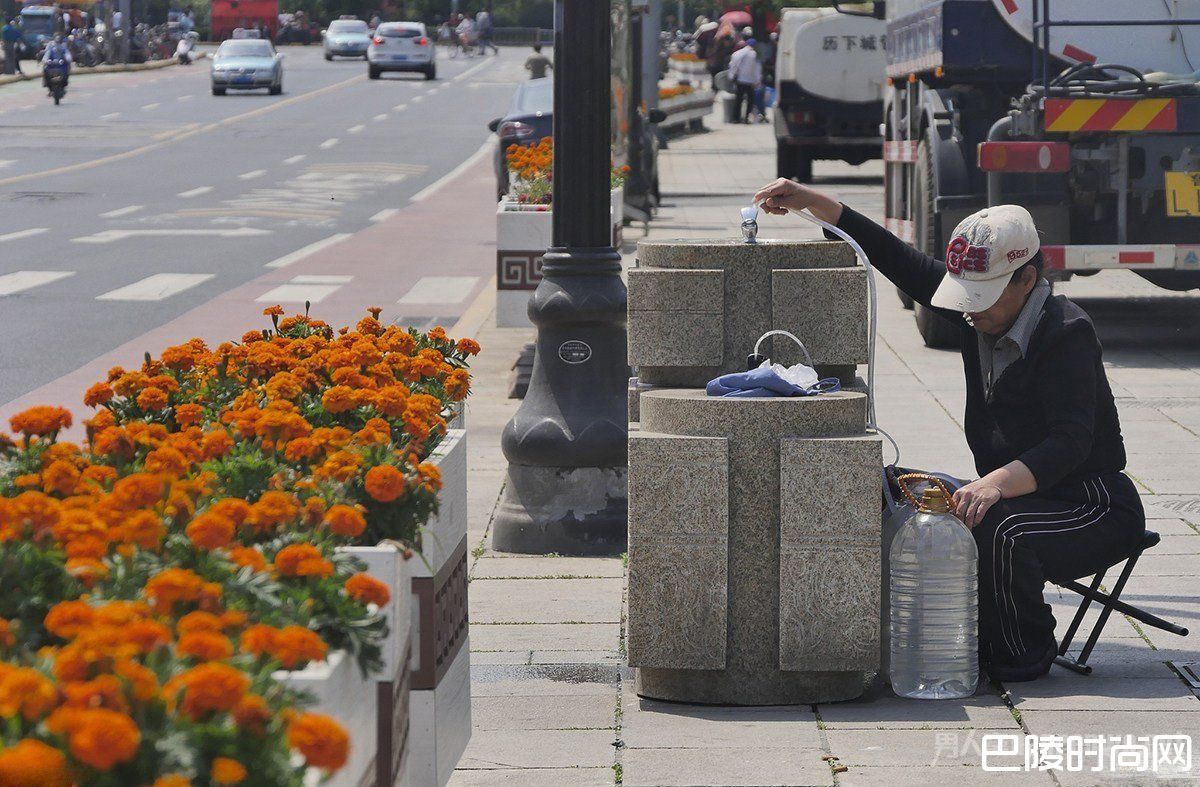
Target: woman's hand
972 501
782 195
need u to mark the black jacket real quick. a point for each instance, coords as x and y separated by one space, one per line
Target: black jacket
1052 409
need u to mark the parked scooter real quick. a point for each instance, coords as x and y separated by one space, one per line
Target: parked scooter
55 75
185 48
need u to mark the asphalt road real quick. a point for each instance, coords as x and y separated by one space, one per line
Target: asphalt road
143 195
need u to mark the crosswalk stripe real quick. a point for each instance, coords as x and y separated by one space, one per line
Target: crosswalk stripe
156 287
321 278
29 233
440 289
311 248
302 288
252 174
113 214
196 192
384 214
19 281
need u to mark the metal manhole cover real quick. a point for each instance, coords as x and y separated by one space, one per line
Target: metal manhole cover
1190 670
45 196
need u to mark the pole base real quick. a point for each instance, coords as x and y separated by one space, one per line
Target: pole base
563 510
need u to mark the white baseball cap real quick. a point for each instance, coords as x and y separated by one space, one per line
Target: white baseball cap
984 251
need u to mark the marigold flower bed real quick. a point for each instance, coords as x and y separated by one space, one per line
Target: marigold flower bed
153 578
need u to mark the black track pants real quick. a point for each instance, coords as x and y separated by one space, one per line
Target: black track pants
1083 528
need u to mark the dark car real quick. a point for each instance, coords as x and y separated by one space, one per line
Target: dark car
530 117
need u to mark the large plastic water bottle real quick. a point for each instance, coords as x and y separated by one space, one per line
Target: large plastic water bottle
934 602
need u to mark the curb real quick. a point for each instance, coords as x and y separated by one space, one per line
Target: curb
152 65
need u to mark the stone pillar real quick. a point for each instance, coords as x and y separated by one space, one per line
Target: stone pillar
753 523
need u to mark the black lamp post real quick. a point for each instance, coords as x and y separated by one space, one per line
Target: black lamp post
566 446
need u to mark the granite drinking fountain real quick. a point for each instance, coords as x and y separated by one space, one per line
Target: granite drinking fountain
754 543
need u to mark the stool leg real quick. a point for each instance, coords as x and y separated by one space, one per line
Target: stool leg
1079 613
1120 606
1108 607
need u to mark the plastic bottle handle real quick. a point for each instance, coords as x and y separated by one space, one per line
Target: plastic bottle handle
800 344
901 479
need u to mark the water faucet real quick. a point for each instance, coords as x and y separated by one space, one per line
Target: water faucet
750 224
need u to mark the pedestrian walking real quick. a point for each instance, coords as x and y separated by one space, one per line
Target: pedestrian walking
537 64
483 28
11 35
466 34
720 51
746 73
1052 500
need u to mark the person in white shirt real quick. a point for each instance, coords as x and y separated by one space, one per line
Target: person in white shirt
746 73
466 33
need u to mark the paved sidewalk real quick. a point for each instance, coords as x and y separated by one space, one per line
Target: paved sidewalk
552 701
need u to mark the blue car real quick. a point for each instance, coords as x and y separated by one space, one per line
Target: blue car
530 117
247 64
347 38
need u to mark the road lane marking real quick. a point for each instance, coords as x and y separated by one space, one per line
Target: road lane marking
111 236
400 107
196 192
157 287
298 291
470 71
474 158
327 144
380 117
252 174
440 289
110 116
184 98
186 133
29 233
384 214
150 106
320 278
295 159
415 99
8 162
311 248
356 129
113 214
19 281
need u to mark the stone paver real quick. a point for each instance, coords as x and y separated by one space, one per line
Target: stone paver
547 601
562 712
882 709
896 776
555 636
491 749
496 567
1062 690
745 765
904 748
533 777
647 724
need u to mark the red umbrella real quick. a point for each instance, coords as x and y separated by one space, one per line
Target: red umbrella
737 18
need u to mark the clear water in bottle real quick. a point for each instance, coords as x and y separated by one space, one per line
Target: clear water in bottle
934 604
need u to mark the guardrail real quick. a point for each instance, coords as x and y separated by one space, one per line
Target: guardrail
522 36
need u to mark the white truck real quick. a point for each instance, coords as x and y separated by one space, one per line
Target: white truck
1091 121
829 71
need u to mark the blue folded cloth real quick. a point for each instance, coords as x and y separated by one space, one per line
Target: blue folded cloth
763 382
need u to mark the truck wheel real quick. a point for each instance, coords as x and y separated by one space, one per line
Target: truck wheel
936 330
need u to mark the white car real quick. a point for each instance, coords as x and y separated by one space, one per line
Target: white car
401 46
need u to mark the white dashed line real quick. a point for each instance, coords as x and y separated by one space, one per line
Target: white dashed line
19 281
7 162
110 116
184 98
158 287
415 99
400 107
252 174
327 144
385 214
29 233
380 117
150 106
111 236
429 190
196 192
440 289
113 214
356 129
470 71
321 278
304 288
311 248
295 159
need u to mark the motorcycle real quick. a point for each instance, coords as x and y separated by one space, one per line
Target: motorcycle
55 73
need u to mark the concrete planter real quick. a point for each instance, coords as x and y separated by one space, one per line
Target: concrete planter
440 670
687 110
687 71
522 237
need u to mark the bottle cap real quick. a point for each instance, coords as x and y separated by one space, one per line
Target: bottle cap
934 501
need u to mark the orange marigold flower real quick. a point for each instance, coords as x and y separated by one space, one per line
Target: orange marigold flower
40 420
101 475
140 490
204 645
273 311
302 560
296 645
7 637
172 780
226 771
188 414
67 618
113 441
97 737
457 384
252 714
346 521
301 448
339 399
152 399
198 621
248 556
60 477
98 394
320 740
143 683
146 635
210 531
384 483
430 476
391 400
212 686
437 333
26 691
271 509
168 461
143 528
234 509
31 763
258 640
216 444
104 691
367 589
172 585
468 346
